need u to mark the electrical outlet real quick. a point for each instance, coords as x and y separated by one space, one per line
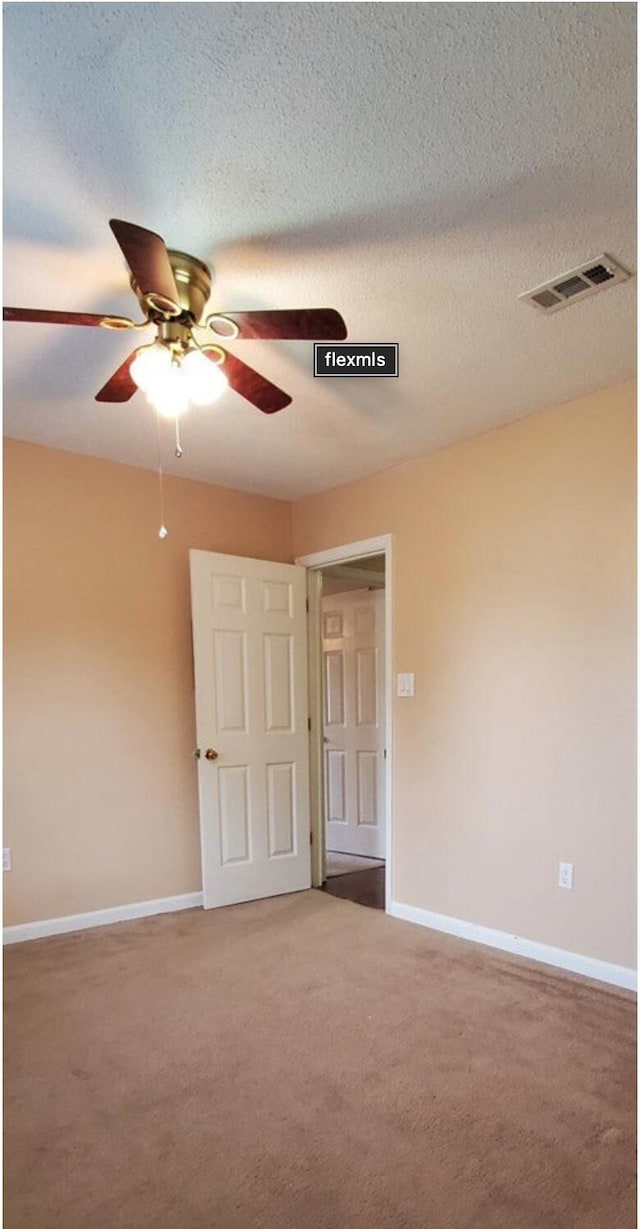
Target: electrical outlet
6 859
565 874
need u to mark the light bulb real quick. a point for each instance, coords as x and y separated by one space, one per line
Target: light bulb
204 379
169 396
150 366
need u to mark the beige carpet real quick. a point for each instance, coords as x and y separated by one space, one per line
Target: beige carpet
347 863
304 1063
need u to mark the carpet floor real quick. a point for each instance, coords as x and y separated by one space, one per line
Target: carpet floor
304 1063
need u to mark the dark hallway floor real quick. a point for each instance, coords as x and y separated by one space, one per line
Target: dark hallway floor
362 887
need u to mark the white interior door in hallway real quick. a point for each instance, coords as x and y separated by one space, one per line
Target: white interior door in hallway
354 722
250 660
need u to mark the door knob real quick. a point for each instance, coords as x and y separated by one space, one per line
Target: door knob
210 754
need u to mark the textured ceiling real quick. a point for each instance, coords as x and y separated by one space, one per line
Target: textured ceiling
416 166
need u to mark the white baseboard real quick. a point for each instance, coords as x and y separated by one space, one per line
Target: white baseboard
99 917
573 962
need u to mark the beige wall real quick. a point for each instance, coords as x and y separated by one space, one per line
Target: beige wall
100 783
514 597
514 591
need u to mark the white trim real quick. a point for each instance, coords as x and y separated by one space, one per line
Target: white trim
573 962
316 749
343 554
99 917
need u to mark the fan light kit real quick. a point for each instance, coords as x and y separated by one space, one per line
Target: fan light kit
173 380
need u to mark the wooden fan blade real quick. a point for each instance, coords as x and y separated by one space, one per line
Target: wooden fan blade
121 386
147 257
307 324
251 385
34 316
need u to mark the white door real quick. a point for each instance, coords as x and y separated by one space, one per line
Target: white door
250 660
354 722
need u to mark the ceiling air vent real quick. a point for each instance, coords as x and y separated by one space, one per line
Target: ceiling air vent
596 274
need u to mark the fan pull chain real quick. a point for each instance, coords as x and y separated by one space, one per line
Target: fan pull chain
163 531
178 448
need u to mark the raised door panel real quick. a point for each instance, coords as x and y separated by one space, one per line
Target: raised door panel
334 687
365 620
230 656
336 787
235 826
367 792
366 687
228 593
332 625
277 598
278 683
281 793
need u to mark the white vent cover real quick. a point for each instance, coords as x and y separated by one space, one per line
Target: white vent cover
589 278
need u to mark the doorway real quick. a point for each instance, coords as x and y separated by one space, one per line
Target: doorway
354 729
350 673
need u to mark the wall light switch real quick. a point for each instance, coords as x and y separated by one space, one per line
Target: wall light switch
6 859
406 685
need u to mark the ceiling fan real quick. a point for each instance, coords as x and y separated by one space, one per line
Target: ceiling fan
173 290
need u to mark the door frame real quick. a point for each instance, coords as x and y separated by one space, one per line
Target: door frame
314 564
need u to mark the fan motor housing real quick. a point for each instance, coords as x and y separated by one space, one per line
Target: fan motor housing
193 282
